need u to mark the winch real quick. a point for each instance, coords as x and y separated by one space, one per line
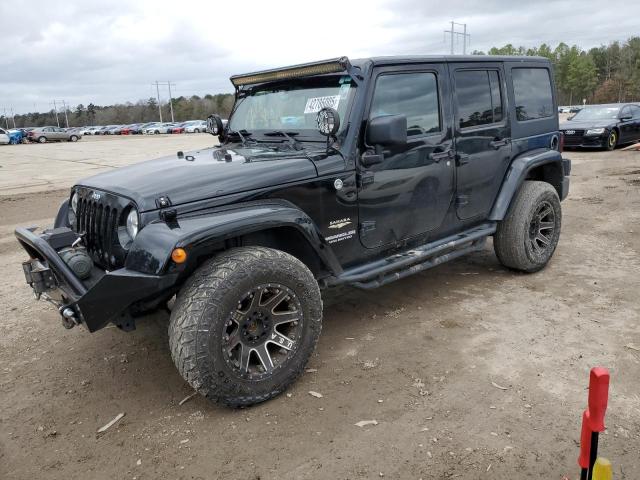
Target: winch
78 260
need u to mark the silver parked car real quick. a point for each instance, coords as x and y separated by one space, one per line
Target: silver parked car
52 134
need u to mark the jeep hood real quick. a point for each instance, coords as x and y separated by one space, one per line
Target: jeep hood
203 174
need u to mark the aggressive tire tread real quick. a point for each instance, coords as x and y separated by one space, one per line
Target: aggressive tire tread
509 241
204 301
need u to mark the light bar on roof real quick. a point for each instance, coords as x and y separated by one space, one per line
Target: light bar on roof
296 71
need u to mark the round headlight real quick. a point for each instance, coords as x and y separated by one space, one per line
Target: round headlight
132 223
71 214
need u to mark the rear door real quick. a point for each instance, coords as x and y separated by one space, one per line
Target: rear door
482 135
626 126
409 193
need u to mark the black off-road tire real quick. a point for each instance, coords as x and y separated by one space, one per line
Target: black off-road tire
516 241
204 306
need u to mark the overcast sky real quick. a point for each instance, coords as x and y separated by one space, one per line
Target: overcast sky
109 52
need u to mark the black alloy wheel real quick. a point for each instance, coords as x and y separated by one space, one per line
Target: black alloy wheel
261 334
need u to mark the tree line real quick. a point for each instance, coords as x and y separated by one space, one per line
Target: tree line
184 108
604 74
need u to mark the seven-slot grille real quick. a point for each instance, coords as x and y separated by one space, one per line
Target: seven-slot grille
98 222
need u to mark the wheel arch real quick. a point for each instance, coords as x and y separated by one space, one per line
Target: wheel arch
542 164
274 224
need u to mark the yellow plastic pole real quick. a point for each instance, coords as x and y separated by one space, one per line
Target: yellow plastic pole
602 469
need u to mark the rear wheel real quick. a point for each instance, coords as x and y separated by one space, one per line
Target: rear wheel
42 139
73 138
197 130
526 239
244 325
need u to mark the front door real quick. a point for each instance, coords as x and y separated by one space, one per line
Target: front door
483 144
408 194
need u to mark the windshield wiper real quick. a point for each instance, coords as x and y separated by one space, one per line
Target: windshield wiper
295 144
243 137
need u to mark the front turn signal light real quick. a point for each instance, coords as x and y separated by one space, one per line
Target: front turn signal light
179 255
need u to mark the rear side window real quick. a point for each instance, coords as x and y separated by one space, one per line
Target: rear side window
532 92
479 97
635 111
414 95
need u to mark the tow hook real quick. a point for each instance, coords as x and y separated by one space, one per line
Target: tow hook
69 318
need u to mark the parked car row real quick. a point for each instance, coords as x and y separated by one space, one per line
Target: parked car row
149 128
12 136
73 134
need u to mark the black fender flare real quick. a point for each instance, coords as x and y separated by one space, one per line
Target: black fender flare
517 173
62 217
200 232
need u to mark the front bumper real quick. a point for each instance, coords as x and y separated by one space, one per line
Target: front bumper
584 141
107 296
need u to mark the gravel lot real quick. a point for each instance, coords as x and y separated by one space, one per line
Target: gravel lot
425 357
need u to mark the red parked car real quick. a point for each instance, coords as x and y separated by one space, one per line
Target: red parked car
179 128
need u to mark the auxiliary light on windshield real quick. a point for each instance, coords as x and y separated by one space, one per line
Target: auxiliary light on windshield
296 71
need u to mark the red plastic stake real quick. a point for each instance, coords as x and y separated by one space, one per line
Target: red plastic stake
585 442
598 398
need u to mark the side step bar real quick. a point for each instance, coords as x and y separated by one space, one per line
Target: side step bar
400 265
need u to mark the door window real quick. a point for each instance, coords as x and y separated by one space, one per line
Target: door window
414 95
625 112
479 97
532 92
635 111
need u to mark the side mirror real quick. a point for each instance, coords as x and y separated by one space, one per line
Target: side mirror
214 124
387 130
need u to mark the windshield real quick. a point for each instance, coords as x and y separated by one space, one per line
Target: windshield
597 113
292 106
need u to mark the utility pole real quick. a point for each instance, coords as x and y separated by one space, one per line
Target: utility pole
159 107
170 98
6 119
13 118
55 108
455 35
66 119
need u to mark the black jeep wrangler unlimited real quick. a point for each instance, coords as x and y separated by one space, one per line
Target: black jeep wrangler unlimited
334 172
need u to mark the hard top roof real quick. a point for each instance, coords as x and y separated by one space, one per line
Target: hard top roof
399 59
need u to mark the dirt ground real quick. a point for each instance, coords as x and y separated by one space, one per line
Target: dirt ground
471 371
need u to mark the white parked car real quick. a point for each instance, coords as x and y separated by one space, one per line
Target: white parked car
196 126
159 128
4 137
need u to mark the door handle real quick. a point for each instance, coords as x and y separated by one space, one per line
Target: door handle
499 142
462 158
437 156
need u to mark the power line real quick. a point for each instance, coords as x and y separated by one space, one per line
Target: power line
456 35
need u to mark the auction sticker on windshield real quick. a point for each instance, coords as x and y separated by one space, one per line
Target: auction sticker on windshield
315 104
